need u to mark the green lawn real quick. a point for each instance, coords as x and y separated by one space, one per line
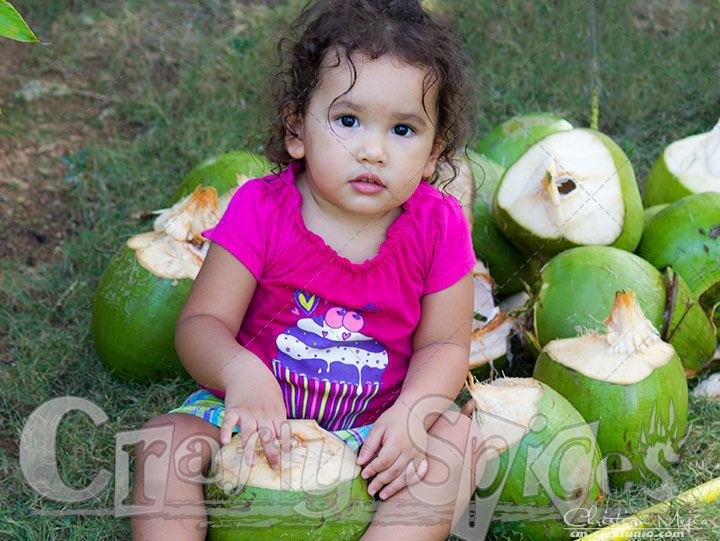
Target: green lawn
155 86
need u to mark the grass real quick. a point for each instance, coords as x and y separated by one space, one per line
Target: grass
169 83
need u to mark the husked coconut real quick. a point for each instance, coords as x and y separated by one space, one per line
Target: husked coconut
572 188
145 286
688 166
629 381
316 493
544 465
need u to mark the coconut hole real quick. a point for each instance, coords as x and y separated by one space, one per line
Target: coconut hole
565 185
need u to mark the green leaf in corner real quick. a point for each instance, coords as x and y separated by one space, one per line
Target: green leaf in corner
12 24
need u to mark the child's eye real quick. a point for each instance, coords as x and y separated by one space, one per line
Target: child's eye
348 121
402 129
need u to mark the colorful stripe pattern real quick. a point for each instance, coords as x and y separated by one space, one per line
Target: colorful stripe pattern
334 405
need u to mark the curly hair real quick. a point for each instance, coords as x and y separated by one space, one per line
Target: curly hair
373 28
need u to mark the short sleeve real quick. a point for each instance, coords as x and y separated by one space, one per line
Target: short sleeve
453 255
241 231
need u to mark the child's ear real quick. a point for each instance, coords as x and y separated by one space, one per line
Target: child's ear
429 169
293 136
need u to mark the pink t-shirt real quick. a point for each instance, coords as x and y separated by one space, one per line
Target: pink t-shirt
338 335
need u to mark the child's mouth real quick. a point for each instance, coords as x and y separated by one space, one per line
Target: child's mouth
367 185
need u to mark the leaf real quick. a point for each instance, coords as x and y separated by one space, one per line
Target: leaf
12 24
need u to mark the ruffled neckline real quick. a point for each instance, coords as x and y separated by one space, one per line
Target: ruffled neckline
394 235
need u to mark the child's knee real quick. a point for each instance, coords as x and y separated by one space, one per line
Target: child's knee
456 430
462 440
184 442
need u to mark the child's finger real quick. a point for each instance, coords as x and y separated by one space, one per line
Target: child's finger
248 432
387 475
229 422
385 459
266 433
410 476
370 447
284 434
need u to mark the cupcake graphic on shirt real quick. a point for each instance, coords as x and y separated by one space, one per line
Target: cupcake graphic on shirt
328 369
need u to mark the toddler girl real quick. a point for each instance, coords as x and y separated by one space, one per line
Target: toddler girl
339 290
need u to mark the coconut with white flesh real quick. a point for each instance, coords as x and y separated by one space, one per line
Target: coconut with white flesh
462 186
491 328
510 139
317 491
687 166
630 381
483 301
145 285
576 291
544 464
489 346
686 236
510 267
572 188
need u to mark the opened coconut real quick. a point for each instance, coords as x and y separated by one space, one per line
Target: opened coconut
572 188
686 236
462 187
507 141
544 466
510 268
145 285
628 380
688 166
491 328
576 292
223 172
316 493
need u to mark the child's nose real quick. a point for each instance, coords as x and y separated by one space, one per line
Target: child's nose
372 149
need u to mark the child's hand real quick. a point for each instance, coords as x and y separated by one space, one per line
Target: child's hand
397 441
254 403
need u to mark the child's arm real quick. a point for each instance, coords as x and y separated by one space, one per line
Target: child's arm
438 366
205 341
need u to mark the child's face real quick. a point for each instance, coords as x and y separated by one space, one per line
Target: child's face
378 131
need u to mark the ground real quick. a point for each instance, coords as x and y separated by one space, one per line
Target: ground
36 168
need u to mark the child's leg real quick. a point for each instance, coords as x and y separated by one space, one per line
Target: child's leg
429 509
183 515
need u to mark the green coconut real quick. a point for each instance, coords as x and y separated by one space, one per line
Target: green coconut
650 212
507 141
316 493
145 285
510 268
576 291
543 459
628 380
223 172
688 166
686 236
572 188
